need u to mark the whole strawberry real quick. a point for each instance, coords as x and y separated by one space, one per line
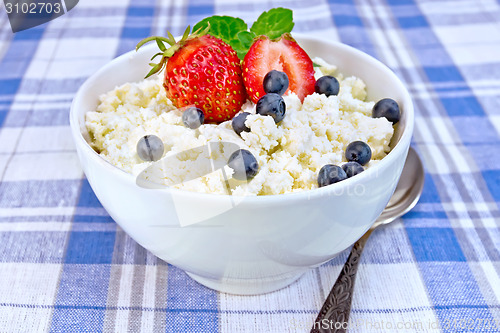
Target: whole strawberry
203 71
282 54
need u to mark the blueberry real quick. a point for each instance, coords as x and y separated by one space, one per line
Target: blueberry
330 174
352 168
358 151
387 108
193 117
275 82
238 123
272 105
244 164
327 85
150 148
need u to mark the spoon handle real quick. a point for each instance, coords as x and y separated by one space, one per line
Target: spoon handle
334 315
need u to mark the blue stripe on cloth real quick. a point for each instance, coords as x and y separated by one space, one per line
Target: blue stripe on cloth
348 20
9 86
492 179
191 306
22 48
196 11
205 10
136 33
425 215
39 218
435 244
389 246
350 26
465 291
82 320
33 116
84 286
85 275
444 74
430 193
243 312
88 199
462 106
483 132
34 33
51 117
51 86
409 22
463 298
92 218
397 3
162 309
457 105
32 246
3 115
39 193
467 319
87 196
137 25
38 114
90 248
141 11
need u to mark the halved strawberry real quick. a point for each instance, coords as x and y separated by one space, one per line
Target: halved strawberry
283 54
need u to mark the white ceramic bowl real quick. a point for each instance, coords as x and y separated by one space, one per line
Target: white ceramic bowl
262 243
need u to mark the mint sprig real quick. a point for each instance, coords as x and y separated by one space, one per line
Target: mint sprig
234 31
273 23
245 40
223 27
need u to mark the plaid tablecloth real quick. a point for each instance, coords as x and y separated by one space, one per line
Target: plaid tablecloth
65 266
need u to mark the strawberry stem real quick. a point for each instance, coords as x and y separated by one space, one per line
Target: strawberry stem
171 38
168 52
160 44
145 40
159 53
186 33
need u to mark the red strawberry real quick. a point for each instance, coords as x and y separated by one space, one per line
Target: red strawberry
205 72
283 54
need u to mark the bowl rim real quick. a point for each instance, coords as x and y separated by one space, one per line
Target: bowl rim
396 152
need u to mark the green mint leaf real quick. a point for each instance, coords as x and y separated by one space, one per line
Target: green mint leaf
234 31
239 48
273 23
223 27
245 39
241 52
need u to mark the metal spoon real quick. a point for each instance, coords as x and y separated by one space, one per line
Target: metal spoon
334 315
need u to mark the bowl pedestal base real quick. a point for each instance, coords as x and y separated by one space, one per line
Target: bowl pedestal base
247 286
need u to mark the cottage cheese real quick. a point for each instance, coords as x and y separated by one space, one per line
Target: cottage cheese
290 154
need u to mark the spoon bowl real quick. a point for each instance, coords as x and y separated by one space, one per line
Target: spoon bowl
408 190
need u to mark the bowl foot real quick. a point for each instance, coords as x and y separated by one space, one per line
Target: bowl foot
247 286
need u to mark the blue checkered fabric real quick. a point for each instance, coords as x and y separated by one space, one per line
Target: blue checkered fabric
65 266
